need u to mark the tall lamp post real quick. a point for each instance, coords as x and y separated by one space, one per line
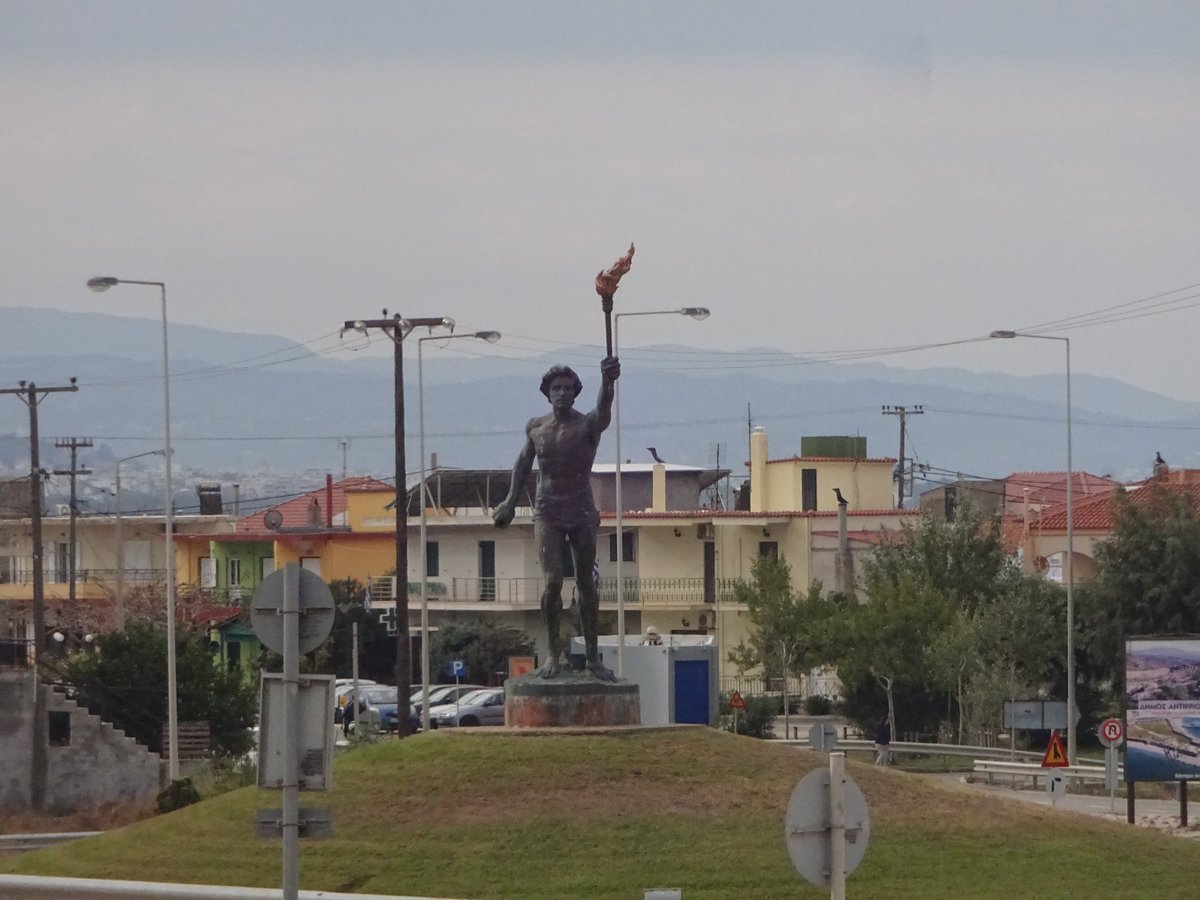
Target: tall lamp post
99 285
397 328
699 313
120 544
491 337
1069 569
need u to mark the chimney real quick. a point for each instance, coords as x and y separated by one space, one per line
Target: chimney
328 500
758 470
237 500
658 488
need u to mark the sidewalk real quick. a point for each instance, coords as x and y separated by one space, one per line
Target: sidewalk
1159 814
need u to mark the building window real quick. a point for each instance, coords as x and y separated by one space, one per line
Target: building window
234 570
62 563
266 566
627 543
808 489
208 572
769 548
431 558
312 563
60 728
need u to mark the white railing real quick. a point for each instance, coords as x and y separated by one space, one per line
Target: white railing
19 887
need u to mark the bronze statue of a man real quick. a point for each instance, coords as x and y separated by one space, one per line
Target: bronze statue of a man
564 442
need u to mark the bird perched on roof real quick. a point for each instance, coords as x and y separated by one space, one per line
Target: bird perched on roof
654 454
841 500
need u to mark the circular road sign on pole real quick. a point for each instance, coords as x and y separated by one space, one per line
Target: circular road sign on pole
1111 732
812 820
316 609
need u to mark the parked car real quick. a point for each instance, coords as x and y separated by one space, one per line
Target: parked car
375 703
341 688
483 707
441 694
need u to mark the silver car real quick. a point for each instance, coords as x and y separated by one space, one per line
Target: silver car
483 707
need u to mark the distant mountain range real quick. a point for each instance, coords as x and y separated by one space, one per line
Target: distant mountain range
245 403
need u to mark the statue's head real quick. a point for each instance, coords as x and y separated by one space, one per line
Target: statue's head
560 372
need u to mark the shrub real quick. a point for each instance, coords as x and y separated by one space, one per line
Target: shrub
755 720
178 794
816 705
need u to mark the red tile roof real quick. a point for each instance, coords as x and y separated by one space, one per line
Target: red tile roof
1050 488
295 512
1099 513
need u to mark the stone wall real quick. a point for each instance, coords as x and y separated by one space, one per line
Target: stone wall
90 764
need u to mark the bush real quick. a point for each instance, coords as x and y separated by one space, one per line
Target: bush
755 720
178 794
816 705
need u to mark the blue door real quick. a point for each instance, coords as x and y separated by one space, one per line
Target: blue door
691 692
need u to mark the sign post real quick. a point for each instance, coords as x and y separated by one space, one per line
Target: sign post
1112 734
292 613
736 703
827 826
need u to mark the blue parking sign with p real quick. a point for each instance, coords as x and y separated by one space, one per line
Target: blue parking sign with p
456 668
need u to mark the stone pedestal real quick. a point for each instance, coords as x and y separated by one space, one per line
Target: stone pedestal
570 700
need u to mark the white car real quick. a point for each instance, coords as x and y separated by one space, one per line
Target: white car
483 707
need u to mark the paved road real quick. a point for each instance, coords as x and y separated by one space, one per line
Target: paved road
1161 814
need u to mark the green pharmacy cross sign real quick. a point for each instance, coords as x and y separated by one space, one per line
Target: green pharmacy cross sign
388 617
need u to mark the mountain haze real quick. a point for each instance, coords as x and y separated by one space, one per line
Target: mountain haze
243 402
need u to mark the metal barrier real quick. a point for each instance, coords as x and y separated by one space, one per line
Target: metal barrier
21 842
1021 770
23 886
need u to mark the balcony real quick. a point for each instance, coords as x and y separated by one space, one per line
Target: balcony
19 570
640 593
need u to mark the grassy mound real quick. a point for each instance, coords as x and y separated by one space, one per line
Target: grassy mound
470 813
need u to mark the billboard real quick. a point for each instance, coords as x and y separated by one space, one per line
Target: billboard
1162 704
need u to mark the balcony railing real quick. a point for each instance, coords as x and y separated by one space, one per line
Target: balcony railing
640 593
19 570
15 654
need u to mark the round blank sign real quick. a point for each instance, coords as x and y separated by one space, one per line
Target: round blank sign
807 823
315 603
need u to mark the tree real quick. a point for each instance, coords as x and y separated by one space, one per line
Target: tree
484 646
921 631
790 633
376 648
125 683
891 639
1147 581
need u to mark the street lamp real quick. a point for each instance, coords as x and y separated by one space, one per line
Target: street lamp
397 328
491 337
99 285
120 546
1069 574
699 313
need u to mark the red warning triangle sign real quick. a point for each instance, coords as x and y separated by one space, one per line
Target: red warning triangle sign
1056 754
736 701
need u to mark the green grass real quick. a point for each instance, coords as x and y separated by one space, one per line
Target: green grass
477 814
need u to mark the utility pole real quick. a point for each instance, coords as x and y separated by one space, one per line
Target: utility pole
903 413
74 445
345 443
31 395
397 328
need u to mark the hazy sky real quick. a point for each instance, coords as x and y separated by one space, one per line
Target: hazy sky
826 177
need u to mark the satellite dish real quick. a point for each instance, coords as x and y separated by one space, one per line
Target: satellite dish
273 518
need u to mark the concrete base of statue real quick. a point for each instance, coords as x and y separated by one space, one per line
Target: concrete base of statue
571 699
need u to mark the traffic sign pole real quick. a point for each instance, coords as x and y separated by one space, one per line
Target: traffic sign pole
291 710
837 825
